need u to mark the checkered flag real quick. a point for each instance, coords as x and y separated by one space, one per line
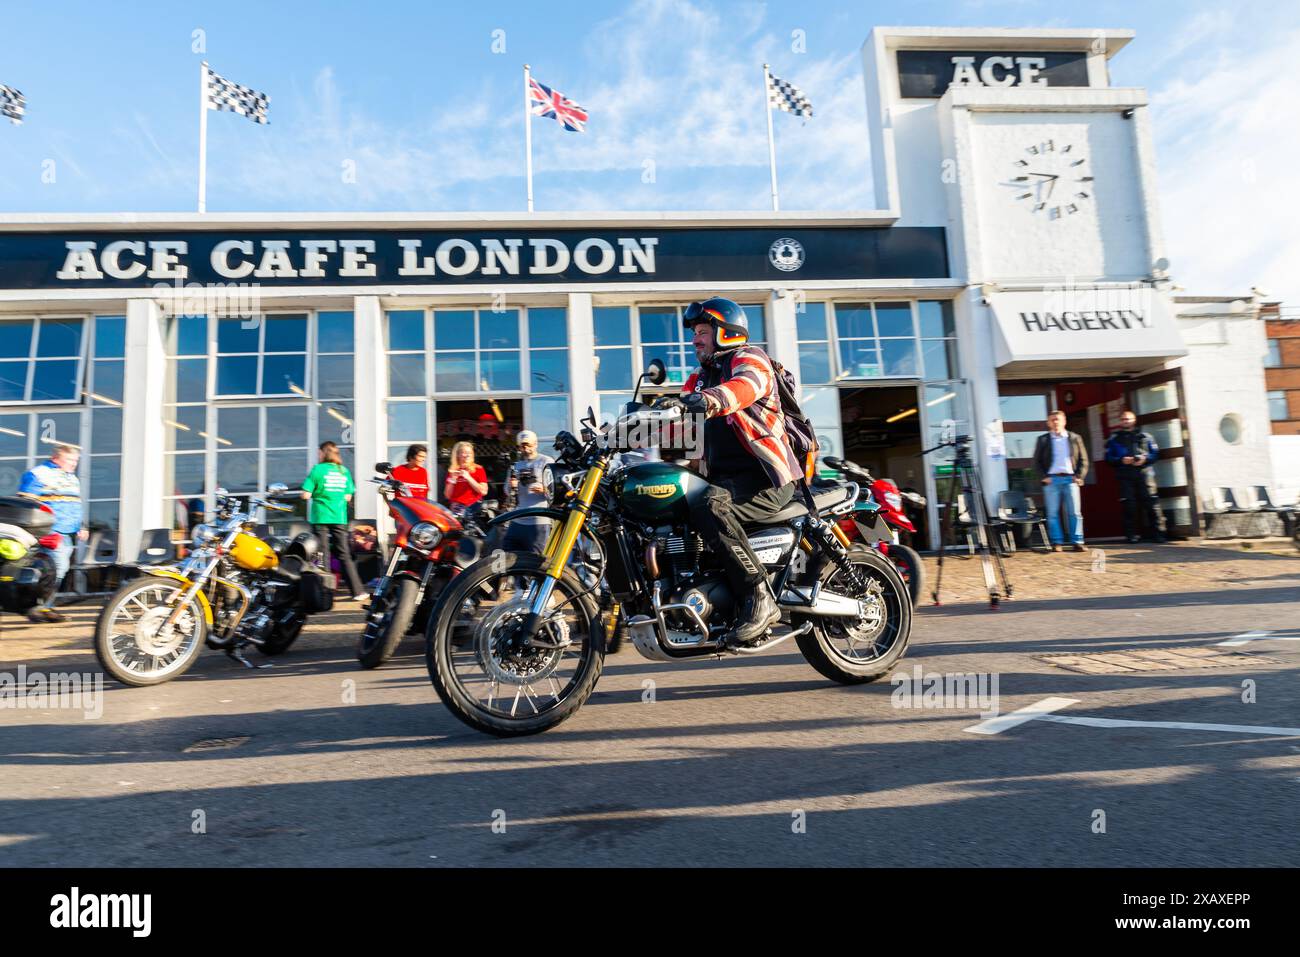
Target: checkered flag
788 97
234 98
12 104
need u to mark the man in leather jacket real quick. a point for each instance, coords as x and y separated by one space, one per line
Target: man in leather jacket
1132 452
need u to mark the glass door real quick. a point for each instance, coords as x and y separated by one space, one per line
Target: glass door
945 415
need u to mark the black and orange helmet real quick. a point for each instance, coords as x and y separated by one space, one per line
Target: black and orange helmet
730 324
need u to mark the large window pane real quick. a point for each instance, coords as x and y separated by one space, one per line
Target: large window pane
549 370
939 358
894 319
190 379
406 330
609 406
899 357
334 423
238 335
853 320
239 428
859 359
757 325
660 325
182 426
453 329
1157 398
286 426
285 334
187 336
284 375
1020 445
613 369
334 331
814 363
1171 473
237 471
810 321
497 330
936 320
55 380
104 476
13 435
547 327
110 337
334 377
406 422
105 430
11 473
1023 408
13 381
59 338
15 338
1167 435
236 375
289 466
406 375
454 372
108 379
500 371
547 416
186 473
102 514
679 360
612 325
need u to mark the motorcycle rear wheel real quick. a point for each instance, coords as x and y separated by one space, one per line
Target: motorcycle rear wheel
910 569
479 681
855 652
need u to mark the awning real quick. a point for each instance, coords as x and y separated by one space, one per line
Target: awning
1071 331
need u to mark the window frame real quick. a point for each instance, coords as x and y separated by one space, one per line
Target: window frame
84 346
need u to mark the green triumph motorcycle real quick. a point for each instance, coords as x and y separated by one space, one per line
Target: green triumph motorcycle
516 642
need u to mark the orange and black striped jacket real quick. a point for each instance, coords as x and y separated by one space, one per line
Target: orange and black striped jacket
745 392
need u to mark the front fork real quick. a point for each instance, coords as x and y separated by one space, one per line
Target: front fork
559 546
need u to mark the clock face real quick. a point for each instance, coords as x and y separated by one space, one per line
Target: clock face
1051 178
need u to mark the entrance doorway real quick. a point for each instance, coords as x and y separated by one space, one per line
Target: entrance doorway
881 429
490 425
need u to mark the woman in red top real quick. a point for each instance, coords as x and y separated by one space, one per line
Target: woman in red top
466 481
413 474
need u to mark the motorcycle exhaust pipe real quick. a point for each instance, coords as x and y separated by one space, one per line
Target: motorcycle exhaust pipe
825 603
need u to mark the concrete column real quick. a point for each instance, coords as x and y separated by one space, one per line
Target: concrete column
370 422
975 348
143 437
782 337
582 357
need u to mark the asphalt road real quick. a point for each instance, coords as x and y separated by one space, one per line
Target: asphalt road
740 761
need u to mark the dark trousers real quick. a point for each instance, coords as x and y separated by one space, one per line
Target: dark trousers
720 514
521 537
336 540
1137 490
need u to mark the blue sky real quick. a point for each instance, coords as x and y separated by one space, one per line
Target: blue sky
413 98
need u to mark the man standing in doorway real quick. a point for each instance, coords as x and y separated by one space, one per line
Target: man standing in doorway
55 484
1132 452
1062 461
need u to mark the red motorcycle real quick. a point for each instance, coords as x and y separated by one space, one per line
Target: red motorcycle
431 549
881 521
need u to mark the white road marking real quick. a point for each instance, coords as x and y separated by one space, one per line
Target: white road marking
1004 721
1175 725
1248 636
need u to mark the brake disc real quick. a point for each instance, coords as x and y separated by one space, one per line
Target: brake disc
149 636
533 664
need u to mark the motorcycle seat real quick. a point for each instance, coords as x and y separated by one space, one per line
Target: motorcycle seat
824 497
289 570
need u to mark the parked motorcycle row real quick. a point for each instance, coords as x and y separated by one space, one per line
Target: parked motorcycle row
515 642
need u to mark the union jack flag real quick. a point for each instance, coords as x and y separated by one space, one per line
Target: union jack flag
556 106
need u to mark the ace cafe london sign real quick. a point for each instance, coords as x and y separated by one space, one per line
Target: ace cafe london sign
927 74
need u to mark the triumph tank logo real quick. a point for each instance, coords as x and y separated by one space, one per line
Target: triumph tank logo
786 254
658 491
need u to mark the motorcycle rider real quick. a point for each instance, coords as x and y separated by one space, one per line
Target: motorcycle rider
1132 452
746 455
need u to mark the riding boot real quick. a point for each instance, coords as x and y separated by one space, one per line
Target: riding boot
757 614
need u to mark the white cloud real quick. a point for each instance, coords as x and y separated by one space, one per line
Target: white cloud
1228 132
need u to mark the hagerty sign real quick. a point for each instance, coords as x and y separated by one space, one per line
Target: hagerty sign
143 258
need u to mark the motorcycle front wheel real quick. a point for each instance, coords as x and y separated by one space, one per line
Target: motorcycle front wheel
130 641
482 671
391 611
857 650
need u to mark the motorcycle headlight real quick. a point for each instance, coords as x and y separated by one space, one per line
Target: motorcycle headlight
12 549
424 535
548 483
202 535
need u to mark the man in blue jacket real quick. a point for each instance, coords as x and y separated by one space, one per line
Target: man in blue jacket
55 484
1133 453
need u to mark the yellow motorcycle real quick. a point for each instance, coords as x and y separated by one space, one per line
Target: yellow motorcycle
235 590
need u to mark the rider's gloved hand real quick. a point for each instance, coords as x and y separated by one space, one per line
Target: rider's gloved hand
694 403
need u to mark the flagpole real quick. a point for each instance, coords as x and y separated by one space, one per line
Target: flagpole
771 143
528 136
203 137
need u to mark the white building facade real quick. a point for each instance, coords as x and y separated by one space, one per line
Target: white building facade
1017 266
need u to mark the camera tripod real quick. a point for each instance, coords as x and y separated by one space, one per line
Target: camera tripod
966 483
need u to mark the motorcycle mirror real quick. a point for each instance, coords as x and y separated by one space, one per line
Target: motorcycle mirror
383 468
276 488
657 372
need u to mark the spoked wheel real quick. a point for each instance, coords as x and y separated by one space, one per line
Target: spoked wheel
133 641
485 668
908 564
857 650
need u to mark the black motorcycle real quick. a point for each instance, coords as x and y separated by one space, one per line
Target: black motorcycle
26 568
526 652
